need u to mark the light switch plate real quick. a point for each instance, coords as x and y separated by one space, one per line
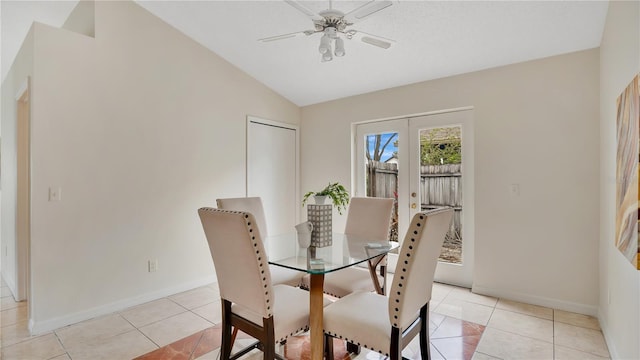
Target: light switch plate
55 194
153 265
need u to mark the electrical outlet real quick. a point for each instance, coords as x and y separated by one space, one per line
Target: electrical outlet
514 190
55 194
153 265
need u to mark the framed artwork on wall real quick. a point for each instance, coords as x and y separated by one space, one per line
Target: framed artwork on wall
627 172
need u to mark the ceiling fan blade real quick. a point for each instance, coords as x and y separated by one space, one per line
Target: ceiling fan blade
367 10
376 42
287 36
305 10
370 39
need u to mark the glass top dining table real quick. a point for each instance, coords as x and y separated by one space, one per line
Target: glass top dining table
345 251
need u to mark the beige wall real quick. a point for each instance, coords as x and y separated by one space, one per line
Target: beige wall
619 310
140 126
536 124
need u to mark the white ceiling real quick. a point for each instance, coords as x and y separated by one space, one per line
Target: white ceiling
433 39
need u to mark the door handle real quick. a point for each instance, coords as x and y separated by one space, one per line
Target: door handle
413 205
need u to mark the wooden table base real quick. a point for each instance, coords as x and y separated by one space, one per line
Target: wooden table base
316 309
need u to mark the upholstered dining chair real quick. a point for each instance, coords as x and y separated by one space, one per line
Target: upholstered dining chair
392 321
367 217
269 313
253 205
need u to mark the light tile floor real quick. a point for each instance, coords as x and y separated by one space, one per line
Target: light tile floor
490 329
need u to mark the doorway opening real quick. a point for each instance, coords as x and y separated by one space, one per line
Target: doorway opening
23 193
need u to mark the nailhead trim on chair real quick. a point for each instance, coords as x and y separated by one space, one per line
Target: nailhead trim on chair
262 263
410 251
293 333
417 229
259 257
305 287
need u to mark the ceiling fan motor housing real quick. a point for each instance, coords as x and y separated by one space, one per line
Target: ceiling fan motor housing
332 19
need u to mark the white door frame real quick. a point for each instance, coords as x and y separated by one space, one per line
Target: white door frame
23 195
409 162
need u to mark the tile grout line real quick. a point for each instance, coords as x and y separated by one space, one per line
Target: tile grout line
449 297
138 329
195 347
61 344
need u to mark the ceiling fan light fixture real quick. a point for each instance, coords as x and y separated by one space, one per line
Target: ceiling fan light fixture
325 45
327 56
333 25
339 47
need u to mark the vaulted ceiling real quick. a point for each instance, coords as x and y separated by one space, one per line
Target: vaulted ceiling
429 39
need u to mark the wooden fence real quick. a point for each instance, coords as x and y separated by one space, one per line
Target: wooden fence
440 185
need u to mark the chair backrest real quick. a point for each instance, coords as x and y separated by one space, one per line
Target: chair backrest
369 217
238 255
417 260
249 204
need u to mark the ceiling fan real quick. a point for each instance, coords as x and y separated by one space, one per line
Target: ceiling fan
331 23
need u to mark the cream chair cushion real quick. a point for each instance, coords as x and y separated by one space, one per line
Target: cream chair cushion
418 255
361 318
253 205
367 217
343 282
282 275
239 258
366 318
244 278
290 313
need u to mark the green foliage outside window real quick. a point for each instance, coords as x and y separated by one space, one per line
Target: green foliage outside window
440 146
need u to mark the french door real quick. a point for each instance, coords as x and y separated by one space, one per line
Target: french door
423 162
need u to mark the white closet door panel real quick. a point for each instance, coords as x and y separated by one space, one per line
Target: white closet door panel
272 171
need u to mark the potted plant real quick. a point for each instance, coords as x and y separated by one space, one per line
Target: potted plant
338 194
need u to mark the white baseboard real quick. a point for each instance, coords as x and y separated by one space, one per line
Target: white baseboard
613 353
537 300
11 285
40 327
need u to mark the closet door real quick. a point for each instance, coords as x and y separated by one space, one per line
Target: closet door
272 171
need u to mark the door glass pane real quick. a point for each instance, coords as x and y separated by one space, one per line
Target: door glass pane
381 167
441 182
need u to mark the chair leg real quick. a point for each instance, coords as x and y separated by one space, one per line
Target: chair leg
269 343
227 338
234 334
425 347
328 347
395 352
